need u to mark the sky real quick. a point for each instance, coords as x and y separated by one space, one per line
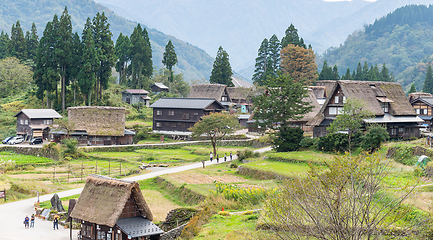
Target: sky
347 0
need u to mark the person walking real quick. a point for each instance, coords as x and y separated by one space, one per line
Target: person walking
225 157
202 161
56 222
26 222
231 156
210 156
218 157
32 221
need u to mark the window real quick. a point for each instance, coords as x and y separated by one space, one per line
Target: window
344 99
170 113
393 131
159 112
22 121
332 111
401 130
336 99
224 99
385 107
196 114
26 122
173 124
186 116
418 111
158 124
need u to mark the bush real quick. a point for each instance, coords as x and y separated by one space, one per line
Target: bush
70 148
288 139
307 142
404 155
373 138
247 153
337 142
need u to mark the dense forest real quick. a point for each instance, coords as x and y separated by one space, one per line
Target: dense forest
194 63
403 40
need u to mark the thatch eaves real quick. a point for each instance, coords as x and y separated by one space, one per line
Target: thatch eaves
319 91
215 91
328 84
311 98
98 120
103 199
415 95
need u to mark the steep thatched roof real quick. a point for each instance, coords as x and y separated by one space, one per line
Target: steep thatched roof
98 121
328 84
311 98
209 91
319 91
371 93
415 95
103 199
237 93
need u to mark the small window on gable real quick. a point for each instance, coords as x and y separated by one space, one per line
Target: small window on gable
332 111
336 99
385 107
26 122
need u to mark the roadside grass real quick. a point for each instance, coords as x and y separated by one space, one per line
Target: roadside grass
130 124
20 159
402 180
151 185
284 168
311 156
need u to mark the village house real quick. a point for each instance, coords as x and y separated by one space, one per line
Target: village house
114 209
423 105
242 98
385 100
218 92
134 96
32 123
158 87
97 126
176 115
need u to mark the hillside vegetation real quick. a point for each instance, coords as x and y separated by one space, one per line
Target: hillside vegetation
194 63
403 40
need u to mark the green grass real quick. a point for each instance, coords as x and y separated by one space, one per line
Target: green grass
150 184
20 159
301 156
401 180
283 168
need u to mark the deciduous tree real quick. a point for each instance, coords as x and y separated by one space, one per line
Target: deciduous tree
215 126
14 77
299 63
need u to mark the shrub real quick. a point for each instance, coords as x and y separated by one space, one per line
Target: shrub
374 136
224 213
337 142
70 148
288 139
404 155
307 142
233 165
246 195
192 229
247 153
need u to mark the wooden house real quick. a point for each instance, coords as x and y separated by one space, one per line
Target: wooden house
32 123
385 100
158 87
218 92
97 126
178 114
242 98
114 209
423 105
134 96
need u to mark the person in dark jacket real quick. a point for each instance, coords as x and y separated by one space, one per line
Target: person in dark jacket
32 221
26 222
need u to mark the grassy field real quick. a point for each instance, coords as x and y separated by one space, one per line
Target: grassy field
283 168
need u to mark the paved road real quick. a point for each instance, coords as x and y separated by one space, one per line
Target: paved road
13 214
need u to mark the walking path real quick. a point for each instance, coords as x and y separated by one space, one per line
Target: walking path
12 214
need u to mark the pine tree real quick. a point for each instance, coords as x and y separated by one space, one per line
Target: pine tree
18 46
4 45
428 82
122 48
274 49
384 74
291 37
412 88
169 60
141 58
326 73
365 72
32 43
259 76
335 74
90 63
76 57
63 51
222 71
359 75
105 51
347 76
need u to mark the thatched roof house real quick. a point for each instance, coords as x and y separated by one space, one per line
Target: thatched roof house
113 206
385 100
98 121
217 91
415 95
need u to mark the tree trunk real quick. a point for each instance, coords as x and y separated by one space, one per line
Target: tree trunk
63 89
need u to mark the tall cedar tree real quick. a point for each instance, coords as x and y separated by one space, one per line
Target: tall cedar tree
74 70
169 60
384 74
32 43
359 75
259 76
365 72
222 71
122 48
292 37
335 74
90 61
274 54
18 46
45 74
282 103
4 44
141 58
326 73
412 88
299 63
428 82
105 52
63 51
347 76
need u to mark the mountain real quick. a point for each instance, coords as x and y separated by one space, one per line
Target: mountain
240 26
194 63
403 40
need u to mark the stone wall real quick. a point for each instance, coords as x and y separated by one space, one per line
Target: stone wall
174 233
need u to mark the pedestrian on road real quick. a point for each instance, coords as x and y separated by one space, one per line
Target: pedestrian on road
231 156
225 157
32 221
26 222
56 222
202 161
218 157
210 156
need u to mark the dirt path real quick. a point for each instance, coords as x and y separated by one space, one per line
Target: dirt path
12 214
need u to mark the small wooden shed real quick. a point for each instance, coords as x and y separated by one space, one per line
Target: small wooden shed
113 209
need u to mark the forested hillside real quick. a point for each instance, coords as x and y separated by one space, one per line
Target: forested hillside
403 40
194 63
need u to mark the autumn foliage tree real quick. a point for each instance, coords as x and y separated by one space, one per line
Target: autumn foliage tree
215 126
299 63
